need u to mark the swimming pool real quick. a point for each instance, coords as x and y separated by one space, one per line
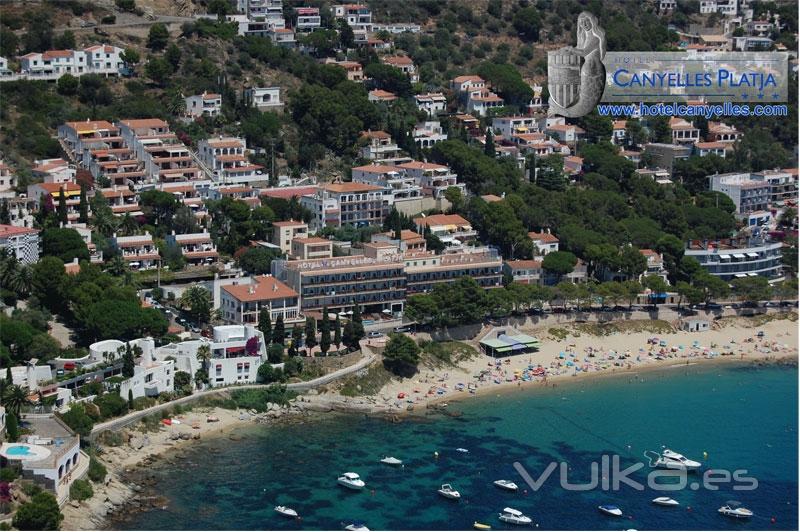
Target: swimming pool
19 450
23 451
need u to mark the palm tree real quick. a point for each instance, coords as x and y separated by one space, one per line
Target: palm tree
117 265
197 301
128 225
14 398
104 221
204 357
18 281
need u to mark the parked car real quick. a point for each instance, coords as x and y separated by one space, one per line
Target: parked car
374 334
402 329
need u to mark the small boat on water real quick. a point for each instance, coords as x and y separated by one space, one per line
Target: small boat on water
357 526
351 480
672 460
610 509
462 450
285 511
480 526
506 485
448 492
665 501
514 517
391 460
736 510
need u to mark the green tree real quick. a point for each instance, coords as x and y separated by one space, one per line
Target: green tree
401 353
311 332
130 392
257 260
14 398
97 471
196 300
40 513
337 332
64 243
325 332
527 22
752 289
488 147
265 323
711 286
12 427
78 420
219 8
131 57
128 362
9 42
559 263
279 331
358 326
80 490
61 210
275 353
83 206
67 85
158 36
158 69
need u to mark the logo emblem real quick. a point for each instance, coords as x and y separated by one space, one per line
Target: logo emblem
576 76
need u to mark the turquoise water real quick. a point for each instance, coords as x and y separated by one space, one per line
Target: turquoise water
742 417
19 450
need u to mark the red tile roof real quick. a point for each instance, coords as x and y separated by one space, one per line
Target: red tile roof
264 288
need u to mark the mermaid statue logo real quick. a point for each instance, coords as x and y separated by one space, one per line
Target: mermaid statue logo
576 76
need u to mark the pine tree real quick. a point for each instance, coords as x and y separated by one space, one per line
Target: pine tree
488 147
265 324
325 332
83 206
398 229
278 332
311 332
337 332
297 337
127 362
130 399
62 206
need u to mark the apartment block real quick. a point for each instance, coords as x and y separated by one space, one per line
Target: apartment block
379 147
227 159
206 104
524 271
139 251
50 194
404 64
425 271
432 103
196 248
747 194
434 179
736 258
428 133
311 248
508 126
308 19
243 301
358 17
52 171
22 242
451 229
166 159
338 204
284 232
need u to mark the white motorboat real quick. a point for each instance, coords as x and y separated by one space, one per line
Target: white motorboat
357 527
514 517
351 480
665 501
672 460
736 510
610 509
506 485
462 450
391 460
286 511
448 492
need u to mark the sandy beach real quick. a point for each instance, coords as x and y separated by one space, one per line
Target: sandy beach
561 359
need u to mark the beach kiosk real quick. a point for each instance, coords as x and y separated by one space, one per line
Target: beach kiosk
507 341
695 325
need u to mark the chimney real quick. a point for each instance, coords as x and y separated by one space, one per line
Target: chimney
251 289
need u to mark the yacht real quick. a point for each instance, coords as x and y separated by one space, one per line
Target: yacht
736 510
672 460
285 510
351 480
665 501
462 450
448 492
481 526
357 526
514 517
506 485
391 460
610 509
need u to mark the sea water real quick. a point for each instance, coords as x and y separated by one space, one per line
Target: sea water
744 418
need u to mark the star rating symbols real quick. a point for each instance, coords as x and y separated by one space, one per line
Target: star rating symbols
744 96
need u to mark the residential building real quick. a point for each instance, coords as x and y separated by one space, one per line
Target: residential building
243 193
545 242
264 98
404 63
95 255
618 132
101 59
243 301
655 265
122 200
683 132
397 27
358 17
539 144
139 251
468 123
7 181
338 204
428 133
282 36
379 148
166 159
782 185
354 70
54 170
206 104
375 281
722 132
451 229
196 248
311 248
396 184
665 155
704 149
524 271
424 271
566 133
227 159
308 19
659 175
58 461
409 241
22 242
752 44
747 194
151 376
736 258
284 232
379 95
50 194
434 179
463 85
481 101
723 7
508 126
573 165
79 138
432 103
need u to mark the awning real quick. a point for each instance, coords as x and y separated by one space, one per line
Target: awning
510 341
725 257
751 274
740 275
494 344
753 255
739 255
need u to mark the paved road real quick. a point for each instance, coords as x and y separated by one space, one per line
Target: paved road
116 424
